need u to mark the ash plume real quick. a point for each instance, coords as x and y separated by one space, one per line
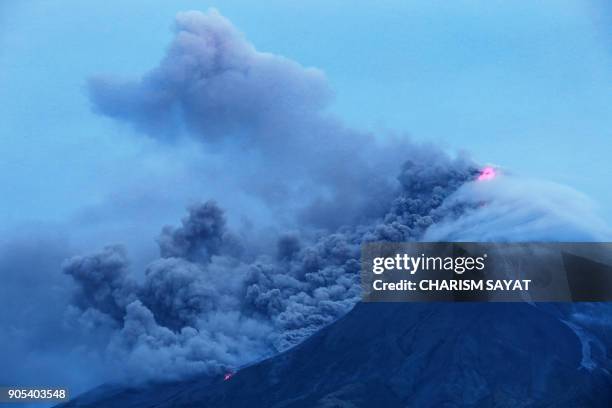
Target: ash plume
266 115
207 313
337 186
200 236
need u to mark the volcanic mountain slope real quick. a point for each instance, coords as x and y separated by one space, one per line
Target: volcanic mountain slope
407 355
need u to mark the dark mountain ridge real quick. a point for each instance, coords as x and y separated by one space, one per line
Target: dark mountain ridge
406 355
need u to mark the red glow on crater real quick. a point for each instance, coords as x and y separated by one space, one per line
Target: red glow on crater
487 173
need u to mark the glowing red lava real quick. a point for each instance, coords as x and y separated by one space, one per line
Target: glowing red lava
487 173
228 376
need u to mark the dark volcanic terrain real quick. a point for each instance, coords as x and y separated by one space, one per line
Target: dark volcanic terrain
408 355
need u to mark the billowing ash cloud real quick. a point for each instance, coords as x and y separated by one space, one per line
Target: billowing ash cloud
210 301
102 279
211 81
200 236
266 115
203 306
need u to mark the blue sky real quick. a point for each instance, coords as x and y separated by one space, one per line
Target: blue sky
523 85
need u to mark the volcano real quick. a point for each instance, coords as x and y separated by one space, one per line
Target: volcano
407 355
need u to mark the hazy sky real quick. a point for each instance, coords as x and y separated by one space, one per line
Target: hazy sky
526 85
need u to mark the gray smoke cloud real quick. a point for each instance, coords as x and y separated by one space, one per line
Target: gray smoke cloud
211 81
102 281
204 307
200 236
266 115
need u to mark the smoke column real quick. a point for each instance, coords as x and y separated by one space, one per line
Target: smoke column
210 301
